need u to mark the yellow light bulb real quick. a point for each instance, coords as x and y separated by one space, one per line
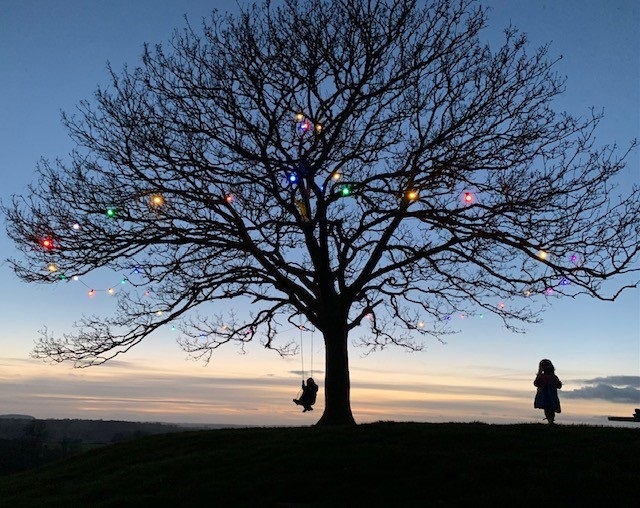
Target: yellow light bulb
299 117
336 176
157 200
542 254
412 195
52 267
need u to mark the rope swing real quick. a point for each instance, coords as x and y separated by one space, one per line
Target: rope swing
307 394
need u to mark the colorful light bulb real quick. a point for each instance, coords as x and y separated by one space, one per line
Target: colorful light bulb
468 198
111 212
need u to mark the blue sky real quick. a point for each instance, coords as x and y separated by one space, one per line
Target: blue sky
53 54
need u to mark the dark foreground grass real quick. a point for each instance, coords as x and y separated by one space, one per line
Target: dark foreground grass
382 464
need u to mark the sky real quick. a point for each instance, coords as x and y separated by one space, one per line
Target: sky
54 54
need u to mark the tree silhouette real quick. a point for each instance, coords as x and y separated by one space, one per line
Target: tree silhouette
346 164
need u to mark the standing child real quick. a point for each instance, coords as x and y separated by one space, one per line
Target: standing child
547 394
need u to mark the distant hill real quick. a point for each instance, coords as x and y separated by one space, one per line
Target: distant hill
27 442
14 427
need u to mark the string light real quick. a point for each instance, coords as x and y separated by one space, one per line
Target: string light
468 198
412 195
346 190
157 200
52 267
111 212
336 176
76 227
47 243
304 126
542 254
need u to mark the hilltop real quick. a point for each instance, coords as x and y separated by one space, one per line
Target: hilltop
382 464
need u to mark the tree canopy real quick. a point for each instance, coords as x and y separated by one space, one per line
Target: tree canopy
356 165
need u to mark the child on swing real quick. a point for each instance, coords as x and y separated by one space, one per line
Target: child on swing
308 397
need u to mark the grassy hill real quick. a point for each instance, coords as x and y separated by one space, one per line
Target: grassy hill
382 464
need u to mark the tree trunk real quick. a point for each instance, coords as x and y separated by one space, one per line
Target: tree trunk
337 386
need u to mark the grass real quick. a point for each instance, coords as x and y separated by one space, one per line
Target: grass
381 464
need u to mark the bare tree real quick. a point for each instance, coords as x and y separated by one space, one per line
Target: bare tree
346 163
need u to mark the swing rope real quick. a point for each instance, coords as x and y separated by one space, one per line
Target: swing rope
301 350
311 373
301 328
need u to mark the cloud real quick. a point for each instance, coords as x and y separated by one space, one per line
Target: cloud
614 380
621 389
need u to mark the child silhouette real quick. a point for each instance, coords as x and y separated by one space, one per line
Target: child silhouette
547 395
308 397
